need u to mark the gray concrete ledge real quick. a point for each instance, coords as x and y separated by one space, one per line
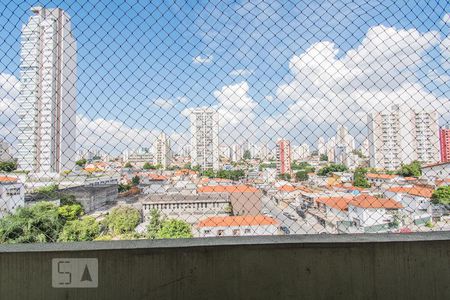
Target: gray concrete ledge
228 241
375 266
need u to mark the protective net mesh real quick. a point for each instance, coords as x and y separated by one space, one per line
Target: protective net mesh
172 119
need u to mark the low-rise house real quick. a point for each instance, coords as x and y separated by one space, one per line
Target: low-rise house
237 226
434 172
12 195
190 208
245 199
381 179
362 213
416 201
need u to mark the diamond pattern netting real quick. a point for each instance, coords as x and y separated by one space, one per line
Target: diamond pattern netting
172 119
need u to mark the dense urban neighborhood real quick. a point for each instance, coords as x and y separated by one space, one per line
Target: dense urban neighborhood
394 177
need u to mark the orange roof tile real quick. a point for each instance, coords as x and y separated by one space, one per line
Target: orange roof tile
369 201
291 188
363 200
415 191
380 176
340 203
8 179
229 221
227 189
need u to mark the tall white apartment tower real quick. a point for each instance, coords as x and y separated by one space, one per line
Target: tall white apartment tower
47 110
401 135
163 153
205 138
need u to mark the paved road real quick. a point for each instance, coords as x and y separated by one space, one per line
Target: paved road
301 226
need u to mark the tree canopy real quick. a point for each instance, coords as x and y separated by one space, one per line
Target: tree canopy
410 170
327 170
8 166
360 179
86 229
32 224
301 175
122 219
174 229
441 195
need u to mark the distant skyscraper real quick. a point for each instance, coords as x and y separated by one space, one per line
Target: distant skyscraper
224 151
401 135
321 148
444 139
284 156
205 138
300 152
47 110
163 153
236 153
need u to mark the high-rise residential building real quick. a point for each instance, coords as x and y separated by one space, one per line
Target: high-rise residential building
5 155
365 148
444 141
321 148
300 152
330 148
344 139
401 135
205 138
284 156
236 153
225 152
47 112
163 152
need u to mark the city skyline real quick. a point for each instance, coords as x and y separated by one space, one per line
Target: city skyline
244 105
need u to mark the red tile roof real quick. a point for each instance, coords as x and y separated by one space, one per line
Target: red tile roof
8 179
380 176
291 188
369 201
229 221
363 200
340 203
227 189
414 190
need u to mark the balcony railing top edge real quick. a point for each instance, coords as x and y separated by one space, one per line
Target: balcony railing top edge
325 239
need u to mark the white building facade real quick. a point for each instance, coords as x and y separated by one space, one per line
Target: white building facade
163 152
401 135
205 138
47 101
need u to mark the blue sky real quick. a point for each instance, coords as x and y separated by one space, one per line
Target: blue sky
135 53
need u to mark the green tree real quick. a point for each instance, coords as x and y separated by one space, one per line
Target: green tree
284 176
154 224
247 155
208 173
360 179
123 187
148 166
441 195
86 229
128 165
301 175
8 166
410 170
48 189
122 219
327 170
32 224
174 229
323 157
135 180
81 162
70 212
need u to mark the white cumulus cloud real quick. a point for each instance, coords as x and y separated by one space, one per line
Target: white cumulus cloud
200 59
